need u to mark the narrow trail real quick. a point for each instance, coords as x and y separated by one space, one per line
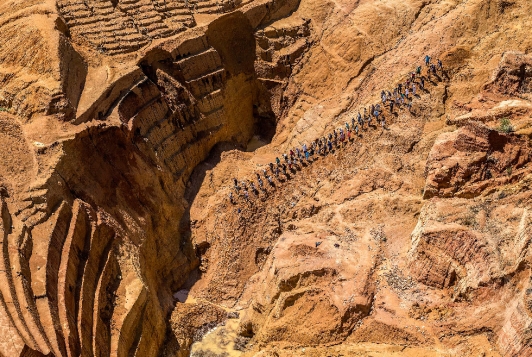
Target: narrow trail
343 157
244 230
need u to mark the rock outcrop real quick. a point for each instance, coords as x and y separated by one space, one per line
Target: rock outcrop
473 159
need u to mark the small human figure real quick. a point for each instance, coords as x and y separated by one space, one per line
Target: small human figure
427 60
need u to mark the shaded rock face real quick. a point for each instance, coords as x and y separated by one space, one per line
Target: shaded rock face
92 249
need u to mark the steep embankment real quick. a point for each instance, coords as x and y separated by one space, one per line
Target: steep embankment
423 228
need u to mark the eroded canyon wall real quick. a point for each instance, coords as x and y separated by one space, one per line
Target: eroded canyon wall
103 130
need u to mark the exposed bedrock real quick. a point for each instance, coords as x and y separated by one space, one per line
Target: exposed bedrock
300 282
474 159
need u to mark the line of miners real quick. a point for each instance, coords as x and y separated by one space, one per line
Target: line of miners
401 96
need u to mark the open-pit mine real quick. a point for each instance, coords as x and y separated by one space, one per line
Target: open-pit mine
268 178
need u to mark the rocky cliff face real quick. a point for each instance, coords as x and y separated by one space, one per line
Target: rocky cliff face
98 162
124 123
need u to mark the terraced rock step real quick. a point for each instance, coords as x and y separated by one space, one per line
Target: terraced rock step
75 249
44 268
100 249
212 6
128 315
126 27
199 64
8 294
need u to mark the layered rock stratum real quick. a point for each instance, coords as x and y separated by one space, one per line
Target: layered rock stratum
124 123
